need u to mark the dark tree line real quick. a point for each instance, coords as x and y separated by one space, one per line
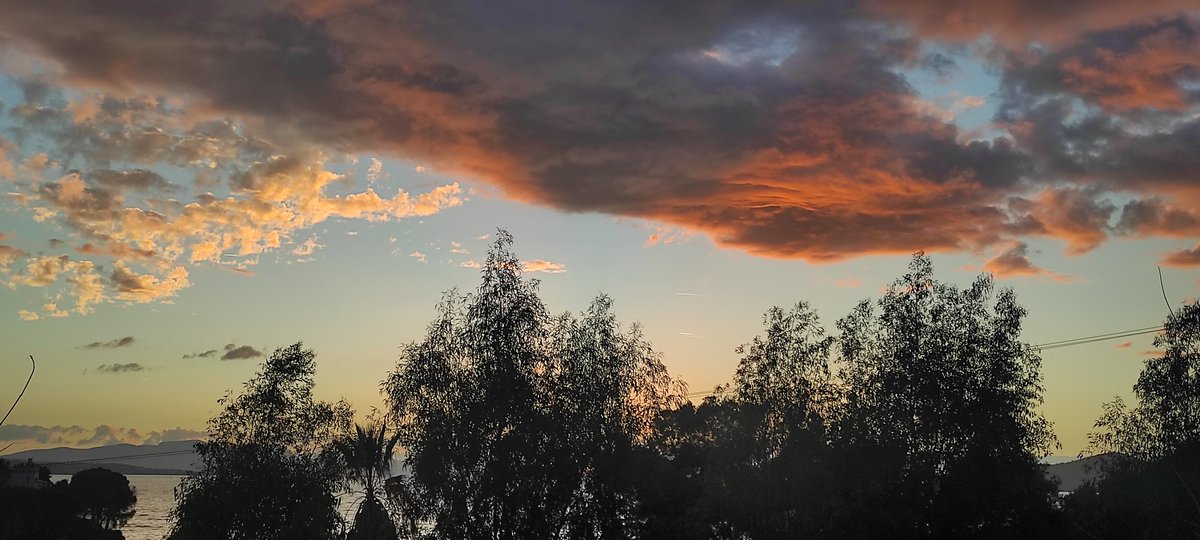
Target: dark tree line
918 418
92 505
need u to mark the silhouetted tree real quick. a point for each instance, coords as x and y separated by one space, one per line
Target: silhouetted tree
268 470
767 467
55 511
939 382
105 497
517 425
1150 482
367 453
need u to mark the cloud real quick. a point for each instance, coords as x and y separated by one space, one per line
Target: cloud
206 354
470 264
120 368
240 352
24 437
1018 23
456 247
541 265
111 344
848 283
375 171
1183 257
264 195
1014 262
784 130
420 257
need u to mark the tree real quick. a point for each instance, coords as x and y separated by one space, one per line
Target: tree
367 453
516 424
938 380
268 470
1150 486
104 497
766 458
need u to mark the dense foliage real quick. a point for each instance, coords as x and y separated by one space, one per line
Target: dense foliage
522 425
1150 487
91 506
917 419
268 471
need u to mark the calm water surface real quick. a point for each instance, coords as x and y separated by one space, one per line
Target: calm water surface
156 498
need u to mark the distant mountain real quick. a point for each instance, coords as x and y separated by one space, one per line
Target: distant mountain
1073 474
177 457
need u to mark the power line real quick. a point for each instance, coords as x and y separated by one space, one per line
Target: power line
1094 339
1109 335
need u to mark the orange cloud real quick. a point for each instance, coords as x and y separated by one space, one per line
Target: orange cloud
544 266
801 138
1020 22
1014 262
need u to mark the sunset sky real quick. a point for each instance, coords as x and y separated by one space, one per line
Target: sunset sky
185 186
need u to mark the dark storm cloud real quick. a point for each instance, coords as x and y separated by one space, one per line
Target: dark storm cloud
784 130
111 344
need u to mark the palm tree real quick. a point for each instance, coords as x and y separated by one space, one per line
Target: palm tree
368 456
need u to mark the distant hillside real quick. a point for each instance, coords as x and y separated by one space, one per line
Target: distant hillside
1072 474
175 457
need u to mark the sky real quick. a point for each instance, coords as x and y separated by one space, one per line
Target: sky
186 186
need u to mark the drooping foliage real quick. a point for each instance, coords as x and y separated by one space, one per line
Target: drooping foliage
520 425
268 470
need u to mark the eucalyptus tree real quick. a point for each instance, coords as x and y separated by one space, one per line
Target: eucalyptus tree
939 383
514 423
268 470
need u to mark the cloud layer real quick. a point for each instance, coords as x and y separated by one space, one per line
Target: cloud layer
782 130
24 437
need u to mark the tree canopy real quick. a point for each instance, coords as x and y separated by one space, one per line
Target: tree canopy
268 470
518 424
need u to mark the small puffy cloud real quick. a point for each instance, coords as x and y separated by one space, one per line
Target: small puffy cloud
308 247
544 266
420 257
27 315
111 344
52 310
9 255
456 247
471 264
848 283
1183 257
142 288
375 171
132 367
240 352
1014 262
206 354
